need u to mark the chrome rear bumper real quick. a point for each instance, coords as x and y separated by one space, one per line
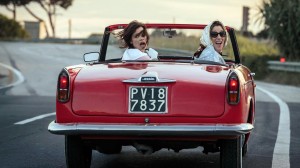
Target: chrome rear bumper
149 129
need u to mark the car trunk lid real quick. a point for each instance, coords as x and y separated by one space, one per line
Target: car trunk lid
117 89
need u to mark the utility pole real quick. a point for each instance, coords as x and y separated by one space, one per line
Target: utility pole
245 22
70 28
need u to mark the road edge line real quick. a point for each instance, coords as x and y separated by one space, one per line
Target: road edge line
34 119
20 80
281 153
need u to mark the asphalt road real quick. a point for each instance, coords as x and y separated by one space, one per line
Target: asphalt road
27 143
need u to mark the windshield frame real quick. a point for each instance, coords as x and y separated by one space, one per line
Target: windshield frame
109 29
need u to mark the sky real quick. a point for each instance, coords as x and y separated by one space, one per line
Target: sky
92 16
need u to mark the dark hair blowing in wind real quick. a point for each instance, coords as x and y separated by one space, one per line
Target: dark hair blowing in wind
126 34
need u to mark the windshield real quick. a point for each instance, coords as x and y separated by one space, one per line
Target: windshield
167 42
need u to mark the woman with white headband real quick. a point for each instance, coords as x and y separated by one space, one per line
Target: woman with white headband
212 42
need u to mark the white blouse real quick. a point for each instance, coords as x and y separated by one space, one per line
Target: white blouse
133 54
210 54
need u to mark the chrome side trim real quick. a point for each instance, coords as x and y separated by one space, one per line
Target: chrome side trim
149 129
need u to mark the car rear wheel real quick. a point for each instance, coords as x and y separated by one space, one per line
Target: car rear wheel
231 153
77 154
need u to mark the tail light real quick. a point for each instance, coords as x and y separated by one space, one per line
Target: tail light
63 87
233 89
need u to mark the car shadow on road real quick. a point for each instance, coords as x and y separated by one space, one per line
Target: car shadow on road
130 158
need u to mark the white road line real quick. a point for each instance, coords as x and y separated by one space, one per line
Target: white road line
281 153
34 118
17 73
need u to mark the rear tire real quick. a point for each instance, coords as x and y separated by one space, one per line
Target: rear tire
231 153
77 154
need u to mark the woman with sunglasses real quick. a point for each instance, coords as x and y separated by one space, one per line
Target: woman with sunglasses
212 42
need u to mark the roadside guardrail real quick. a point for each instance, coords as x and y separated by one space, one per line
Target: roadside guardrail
284 66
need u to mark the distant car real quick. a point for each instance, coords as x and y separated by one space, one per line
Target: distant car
175 102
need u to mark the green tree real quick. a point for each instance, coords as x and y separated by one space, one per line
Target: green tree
10 29
282 19
8 4
49 6
11 5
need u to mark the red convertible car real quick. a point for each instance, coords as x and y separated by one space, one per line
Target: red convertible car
175 101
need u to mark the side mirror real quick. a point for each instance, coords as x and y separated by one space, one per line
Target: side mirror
90 57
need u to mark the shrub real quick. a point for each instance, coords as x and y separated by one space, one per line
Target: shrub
258 64
10 29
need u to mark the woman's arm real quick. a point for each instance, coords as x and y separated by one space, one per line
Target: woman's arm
144 58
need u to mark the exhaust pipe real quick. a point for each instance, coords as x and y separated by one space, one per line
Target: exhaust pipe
143 149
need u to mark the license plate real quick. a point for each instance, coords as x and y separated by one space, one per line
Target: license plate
148 99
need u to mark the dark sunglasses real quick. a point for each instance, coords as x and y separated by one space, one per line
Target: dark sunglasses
215 34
